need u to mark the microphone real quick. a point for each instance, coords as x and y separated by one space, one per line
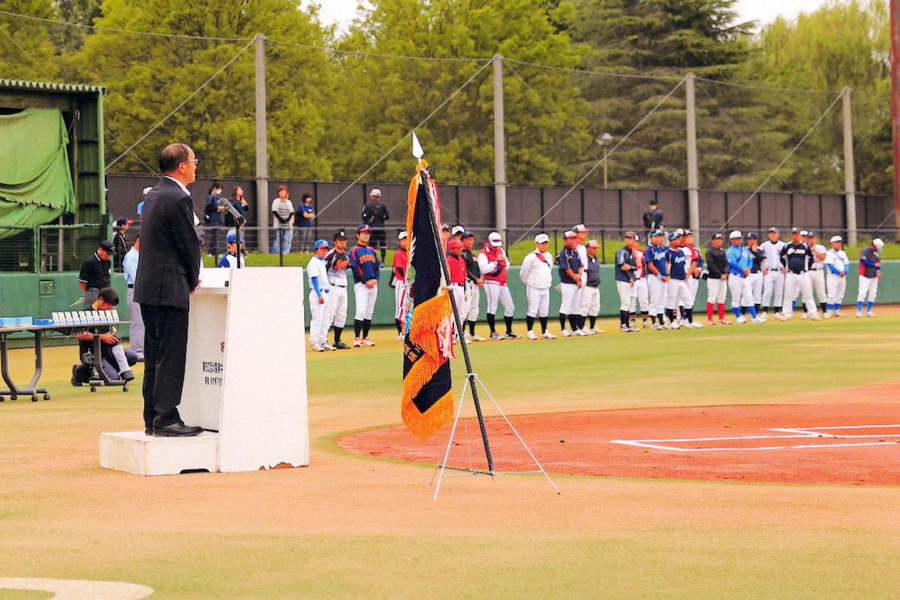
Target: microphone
238 217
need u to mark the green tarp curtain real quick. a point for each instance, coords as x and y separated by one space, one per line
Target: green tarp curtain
35 177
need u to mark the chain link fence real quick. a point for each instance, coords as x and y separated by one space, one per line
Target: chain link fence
46 248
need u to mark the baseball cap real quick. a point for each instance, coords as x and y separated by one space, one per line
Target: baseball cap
655 233
339 235
147 190
580 228
679 231
107 245
773 230
735 234
541 238
494 239
654 202
454 244
836 238
752 236
810 233
468 234
672 236
320 244
402 235
687 232
376 193
123 221
796 230
718 236
232 236
362 228
445 227
878 243
631 234
458 229
568 234
804 233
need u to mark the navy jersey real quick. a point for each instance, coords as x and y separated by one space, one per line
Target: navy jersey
364 264
868 258
624 256
568 259
759 256
658 256
796 257
677 260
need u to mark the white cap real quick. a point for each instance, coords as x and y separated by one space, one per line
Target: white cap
804 233
735 234
401 235
147 190
457 229
836 238
679 231
494 239
568 234
541 238
878 243
376 193
580 228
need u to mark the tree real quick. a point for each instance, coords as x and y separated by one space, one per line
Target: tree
148 77
387 96
26 51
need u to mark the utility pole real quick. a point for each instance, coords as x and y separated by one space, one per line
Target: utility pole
692 169
262 150
499 149
849 171
895 106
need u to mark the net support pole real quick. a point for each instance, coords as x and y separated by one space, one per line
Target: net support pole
692 167
262 150
849 171
499 148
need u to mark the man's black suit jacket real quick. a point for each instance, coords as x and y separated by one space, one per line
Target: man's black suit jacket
170 249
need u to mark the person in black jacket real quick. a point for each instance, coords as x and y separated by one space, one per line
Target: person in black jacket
653 219
716 281
374 214
168 275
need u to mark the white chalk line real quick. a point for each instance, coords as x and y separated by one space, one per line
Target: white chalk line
793 433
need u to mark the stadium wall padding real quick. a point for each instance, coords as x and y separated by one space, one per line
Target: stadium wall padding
26 294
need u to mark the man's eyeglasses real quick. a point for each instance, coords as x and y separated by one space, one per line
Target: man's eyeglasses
196 161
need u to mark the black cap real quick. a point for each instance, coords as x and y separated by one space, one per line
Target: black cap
339 235
718 236
107 246
467 234
654 202
752 236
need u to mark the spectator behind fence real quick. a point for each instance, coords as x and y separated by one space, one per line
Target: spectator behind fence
240 204
306 212
120 242
374 214
212 212
282 221
94 275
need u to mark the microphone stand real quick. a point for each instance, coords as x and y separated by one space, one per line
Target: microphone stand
239 222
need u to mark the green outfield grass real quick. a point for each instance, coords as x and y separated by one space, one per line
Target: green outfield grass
355 527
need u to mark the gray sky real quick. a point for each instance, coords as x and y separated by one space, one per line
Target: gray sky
342 12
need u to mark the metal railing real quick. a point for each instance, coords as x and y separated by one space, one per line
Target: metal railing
46 248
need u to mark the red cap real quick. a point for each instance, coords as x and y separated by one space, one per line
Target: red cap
454 243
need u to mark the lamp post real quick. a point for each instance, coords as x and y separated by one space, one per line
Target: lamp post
606 141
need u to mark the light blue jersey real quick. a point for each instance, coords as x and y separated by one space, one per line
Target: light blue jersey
739 258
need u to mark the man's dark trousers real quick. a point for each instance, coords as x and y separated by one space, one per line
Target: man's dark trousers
165 352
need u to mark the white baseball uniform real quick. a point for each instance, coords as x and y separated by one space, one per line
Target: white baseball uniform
773 279
817 273
836 263
537 275
321 313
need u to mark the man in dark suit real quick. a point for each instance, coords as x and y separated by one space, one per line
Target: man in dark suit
168 275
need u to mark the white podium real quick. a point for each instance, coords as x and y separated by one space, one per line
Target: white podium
245 381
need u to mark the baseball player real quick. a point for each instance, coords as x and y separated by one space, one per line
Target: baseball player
580 247
817 269
641 291
755 278
474 282
457 232
740 261
337 260
625 265
773 275
696 264
318 300
456 266
656 259
493 264
869 274
537 275
229 260
591 289
398 281
365 266
677 292
837 264
570 270
795 259
716 280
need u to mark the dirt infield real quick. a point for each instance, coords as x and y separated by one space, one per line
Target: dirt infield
832 441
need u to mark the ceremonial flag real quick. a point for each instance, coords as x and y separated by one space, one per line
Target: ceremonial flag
428 342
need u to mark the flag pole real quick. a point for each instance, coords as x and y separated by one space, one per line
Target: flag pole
470 374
